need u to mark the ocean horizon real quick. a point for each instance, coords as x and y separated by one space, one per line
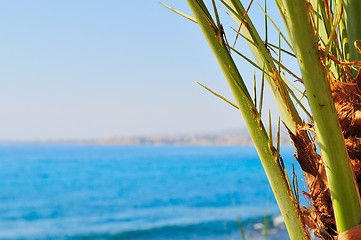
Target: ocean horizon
135 192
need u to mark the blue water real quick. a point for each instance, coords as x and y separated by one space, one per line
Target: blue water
133 192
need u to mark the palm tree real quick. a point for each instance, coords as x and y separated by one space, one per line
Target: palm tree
323 36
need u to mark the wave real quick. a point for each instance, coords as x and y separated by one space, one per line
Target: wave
177 229
204 230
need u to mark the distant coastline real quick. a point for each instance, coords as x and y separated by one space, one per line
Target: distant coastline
230 138
187 140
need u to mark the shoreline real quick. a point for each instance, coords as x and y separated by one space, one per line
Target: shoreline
233 139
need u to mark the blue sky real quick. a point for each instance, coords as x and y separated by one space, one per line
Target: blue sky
93 69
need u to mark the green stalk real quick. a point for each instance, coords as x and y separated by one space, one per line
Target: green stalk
353 26
344 193
280 93
283 193
343 35
324 30
321 22
282 12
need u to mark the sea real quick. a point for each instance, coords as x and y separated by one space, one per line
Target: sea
78 192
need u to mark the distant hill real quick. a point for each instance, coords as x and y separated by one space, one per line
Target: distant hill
225 138
219 139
